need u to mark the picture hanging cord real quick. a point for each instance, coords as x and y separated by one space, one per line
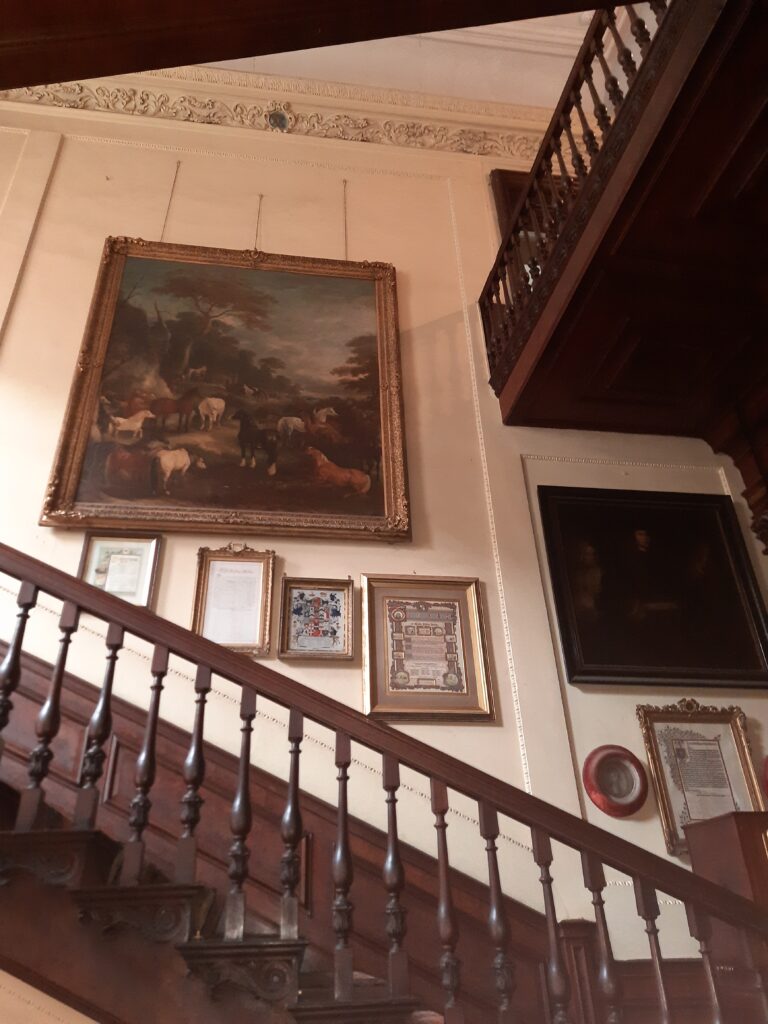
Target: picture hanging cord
258 223
170 199
346 234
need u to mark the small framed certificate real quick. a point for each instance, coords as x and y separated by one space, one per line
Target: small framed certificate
122 564
700 764
317 618
424 649
233 597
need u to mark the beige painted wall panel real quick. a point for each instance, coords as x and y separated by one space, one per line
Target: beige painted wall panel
22 1004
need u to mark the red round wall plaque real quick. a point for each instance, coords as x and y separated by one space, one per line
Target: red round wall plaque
615 780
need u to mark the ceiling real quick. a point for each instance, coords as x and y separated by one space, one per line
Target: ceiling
524 62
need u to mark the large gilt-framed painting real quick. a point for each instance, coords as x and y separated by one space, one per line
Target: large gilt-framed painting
235 391
653 587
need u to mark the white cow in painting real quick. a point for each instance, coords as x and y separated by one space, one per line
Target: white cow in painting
168 461
211 410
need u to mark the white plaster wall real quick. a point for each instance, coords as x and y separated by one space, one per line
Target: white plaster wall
22 1004
472 480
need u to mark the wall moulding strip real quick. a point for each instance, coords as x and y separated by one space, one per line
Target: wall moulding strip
305 108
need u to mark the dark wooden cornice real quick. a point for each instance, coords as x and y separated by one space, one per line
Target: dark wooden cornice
54 42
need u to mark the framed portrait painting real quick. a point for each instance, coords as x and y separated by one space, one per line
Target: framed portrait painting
653 588
700 762
316 618
235 391
424 652
233 597
122 564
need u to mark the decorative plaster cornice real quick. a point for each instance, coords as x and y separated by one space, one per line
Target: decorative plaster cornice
320 110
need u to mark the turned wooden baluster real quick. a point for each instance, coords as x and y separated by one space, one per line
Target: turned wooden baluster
291 830
700 927
447 928
240 822
626 60
590 140
47 725
615 95
503 968
566 188
659 8
639 30
10 668
548 214
342 878
648 909
539 236
608 982
394 882
144 775
519 276
99 729
558 985
193 773
601 111
557 204
576 158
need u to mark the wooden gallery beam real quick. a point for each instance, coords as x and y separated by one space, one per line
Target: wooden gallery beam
50 41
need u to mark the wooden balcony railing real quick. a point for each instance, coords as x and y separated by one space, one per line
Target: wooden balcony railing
613 76
646 872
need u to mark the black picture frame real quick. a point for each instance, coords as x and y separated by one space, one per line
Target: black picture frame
653 588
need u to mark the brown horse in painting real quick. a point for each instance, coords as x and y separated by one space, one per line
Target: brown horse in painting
182 407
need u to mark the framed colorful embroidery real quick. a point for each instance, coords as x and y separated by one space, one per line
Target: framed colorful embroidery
317 618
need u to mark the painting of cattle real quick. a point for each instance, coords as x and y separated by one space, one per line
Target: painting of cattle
235 391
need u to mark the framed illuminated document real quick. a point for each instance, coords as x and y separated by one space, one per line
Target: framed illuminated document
122 564
424 649
233 597
700 764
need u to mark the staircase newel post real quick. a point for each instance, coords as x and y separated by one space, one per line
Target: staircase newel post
447 927
241 820
291 830
394 882
99 729
144 775
498 926
342 879
10 668
193 773
47 725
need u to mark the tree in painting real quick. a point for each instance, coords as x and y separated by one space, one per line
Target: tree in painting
233 387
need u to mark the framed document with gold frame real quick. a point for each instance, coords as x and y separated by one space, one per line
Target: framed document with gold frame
233 597
700 764
424 653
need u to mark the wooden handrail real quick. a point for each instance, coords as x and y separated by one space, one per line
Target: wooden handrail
435 764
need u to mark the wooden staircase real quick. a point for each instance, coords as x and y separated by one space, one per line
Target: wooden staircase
279 906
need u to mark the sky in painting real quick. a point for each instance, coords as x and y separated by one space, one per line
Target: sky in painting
310 321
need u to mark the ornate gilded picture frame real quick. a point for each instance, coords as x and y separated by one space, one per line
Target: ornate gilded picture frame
424 650
122 564
317 618
700 763
235 391
233 597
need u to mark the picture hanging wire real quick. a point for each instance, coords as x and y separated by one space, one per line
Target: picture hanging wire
258 223
170 199
346 233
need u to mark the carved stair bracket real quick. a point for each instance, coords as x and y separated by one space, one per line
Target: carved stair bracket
160 913
66 858
265 968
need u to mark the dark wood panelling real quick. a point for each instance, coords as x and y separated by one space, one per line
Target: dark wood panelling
51 42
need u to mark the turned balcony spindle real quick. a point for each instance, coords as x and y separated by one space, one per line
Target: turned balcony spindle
193 773
291 831
558 985
47 725
394 882
590 140
144 774
612 87
447 927
700 927
342 878
648 910
601 111
577 160
503 968
608 983
639 30
99 729
659 8
626 60
10 668
240 822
